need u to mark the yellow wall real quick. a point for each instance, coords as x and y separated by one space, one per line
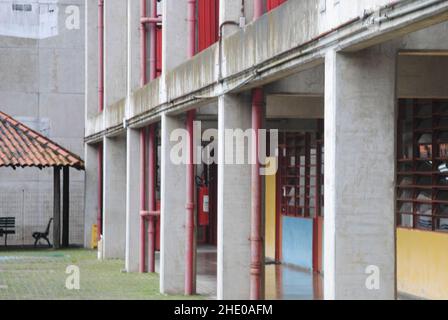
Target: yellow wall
270 216
422 263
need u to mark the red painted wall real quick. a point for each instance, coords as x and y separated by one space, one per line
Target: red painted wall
272 4
208 23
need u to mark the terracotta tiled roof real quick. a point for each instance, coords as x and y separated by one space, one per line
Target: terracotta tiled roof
22 147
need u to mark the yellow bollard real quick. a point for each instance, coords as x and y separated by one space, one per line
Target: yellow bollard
94 240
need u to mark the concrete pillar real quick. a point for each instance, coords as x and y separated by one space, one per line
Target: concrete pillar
360 174
90 191
115 50
114 198
133 200
234 203
173 200
174 34
231 11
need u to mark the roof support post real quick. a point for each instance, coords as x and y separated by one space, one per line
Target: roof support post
57 208
65 206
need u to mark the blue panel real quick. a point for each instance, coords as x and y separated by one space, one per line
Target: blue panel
297 242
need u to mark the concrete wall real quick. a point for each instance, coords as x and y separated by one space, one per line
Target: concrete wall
42 84
297 242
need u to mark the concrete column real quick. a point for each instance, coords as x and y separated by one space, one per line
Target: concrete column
133 200
174 34
234 203
231 11
114 198
115 50
91 59
360 174
173 200
90 191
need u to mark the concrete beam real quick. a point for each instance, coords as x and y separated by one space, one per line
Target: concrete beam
114 198
234 205
359 242
173 201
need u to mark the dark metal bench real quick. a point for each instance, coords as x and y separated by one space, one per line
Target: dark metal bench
7 226
42 235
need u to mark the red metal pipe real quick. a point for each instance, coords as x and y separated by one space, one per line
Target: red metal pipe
100 109
153 41
143 43
142 198
151 199
258 9
151 20
256 240
100 55
190 225
100 192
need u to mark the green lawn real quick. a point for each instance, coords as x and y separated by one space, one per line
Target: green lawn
31 275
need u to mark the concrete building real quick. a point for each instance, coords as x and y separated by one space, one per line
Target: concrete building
42 85
355 90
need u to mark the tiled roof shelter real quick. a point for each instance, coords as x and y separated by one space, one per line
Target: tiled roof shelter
22 147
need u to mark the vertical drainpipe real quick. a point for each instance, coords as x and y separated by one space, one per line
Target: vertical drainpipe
190 225
151 199
152 149
151 139
153 42
256 239
100 109
142 267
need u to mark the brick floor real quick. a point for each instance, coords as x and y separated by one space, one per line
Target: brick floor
32 275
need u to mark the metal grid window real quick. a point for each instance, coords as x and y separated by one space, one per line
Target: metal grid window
301 174
422 164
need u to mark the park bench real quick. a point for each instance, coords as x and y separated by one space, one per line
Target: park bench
43 235
7 226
